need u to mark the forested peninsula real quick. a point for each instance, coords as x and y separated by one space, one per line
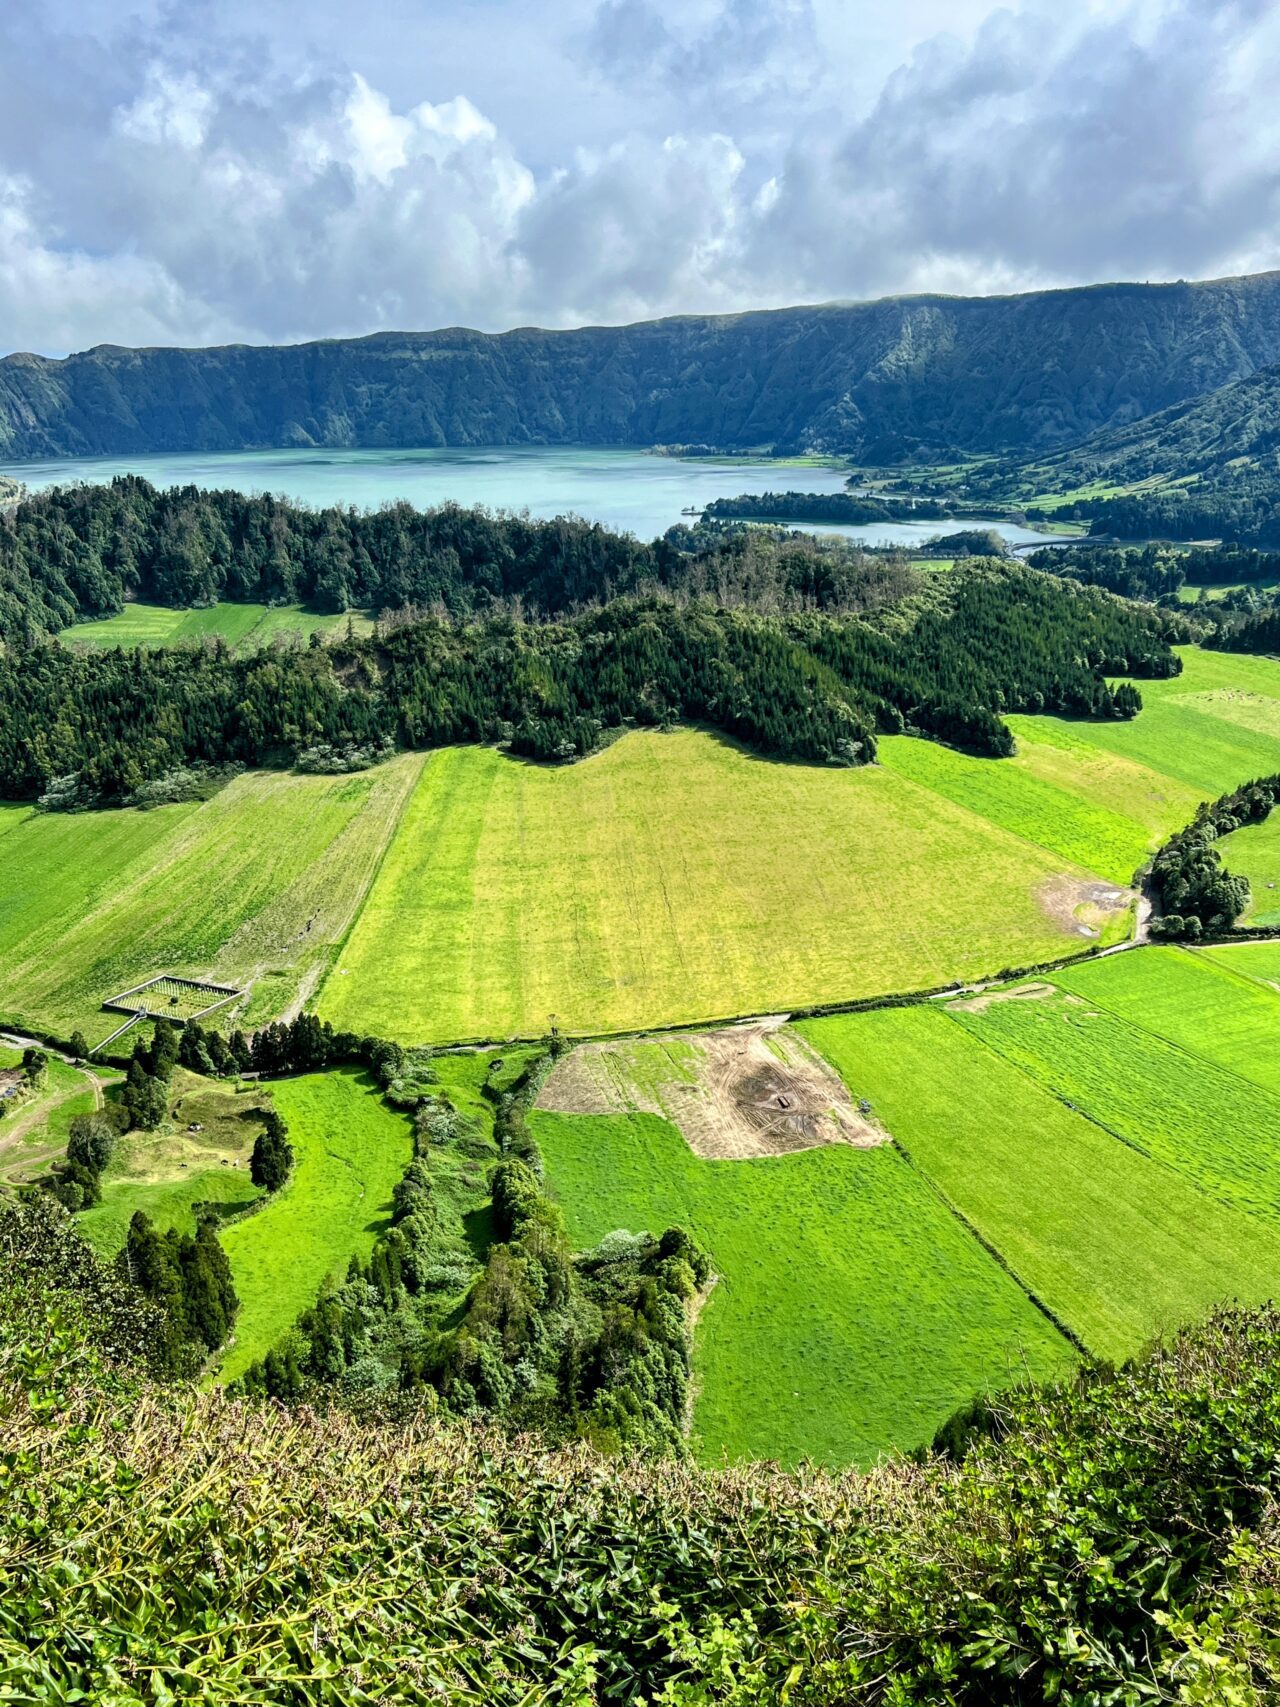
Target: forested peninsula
801 649
918 377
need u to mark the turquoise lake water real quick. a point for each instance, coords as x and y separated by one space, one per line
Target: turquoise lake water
630 490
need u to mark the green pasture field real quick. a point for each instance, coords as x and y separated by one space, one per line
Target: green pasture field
1254 852
1008 792
168 1172
853 1313
1259 960
1186 998
677 877
350 1151
1218 1129
34 1134
92 903
245 628
1119 1247
1211 728
1191 592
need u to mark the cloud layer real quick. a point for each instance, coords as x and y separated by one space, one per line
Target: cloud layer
179 179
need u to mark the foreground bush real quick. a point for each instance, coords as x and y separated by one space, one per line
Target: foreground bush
1114 1542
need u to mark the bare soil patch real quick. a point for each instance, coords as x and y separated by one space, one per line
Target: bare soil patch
1081 907
748 1090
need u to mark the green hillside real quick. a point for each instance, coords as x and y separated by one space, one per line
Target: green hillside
881 380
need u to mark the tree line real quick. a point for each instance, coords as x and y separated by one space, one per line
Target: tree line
1157 571
591 1344
1194 891
83 728
594 1344
77 552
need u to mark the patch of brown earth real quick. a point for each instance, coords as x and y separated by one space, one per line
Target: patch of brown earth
1082 906
747 1090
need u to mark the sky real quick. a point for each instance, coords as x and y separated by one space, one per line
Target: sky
215 171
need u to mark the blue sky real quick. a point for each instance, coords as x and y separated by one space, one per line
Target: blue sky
218 170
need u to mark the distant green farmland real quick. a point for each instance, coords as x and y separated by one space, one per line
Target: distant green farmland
670 878
677 877
1212 727
258 883
853 1312
245 628
1119 1247
1122 1173
350 1151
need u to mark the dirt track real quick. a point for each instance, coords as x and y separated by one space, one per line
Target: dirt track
747 1090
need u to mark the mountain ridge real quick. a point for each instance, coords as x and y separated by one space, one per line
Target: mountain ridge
923 376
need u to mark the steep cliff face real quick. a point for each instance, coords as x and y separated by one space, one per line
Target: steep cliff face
882 380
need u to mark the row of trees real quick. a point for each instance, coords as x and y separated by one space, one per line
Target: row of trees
595 1344
75 552
189 1277
1193 890
1157 571
996 638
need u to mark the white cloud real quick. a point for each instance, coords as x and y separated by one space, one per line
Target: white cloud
173 109
213 183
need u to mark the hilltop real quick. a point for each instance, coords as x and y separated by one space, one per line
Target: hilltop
1110 1539
921 377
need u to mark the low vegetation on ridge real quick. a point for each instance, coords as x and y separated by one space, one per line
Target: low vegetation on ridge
1109 1539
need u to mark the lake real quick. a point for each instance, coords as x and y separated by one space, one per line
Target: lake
630 490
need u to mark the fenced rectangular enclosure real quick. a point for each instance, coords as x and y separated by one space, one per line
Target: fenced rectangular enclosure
172 998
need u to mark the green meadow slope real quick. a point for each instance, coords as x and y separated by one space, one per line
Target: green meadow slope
853 1312
1105 1145
350 1151
244 627
670 878
258 883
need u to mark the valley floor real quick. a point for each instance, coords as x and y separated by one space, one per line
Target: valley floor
1059 1182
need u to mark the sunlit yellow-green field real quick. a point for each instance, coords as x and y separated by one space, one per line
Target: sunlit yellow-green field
245 628
678 877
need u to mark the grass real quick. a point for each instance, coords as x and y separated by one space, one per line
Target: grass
350 1151
1258 960
1212 727
1254 852
167 1173
853 1311
1169 1103
245 627
676 878
1187 999
35 1133
1119 1247
259 883
1062 820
